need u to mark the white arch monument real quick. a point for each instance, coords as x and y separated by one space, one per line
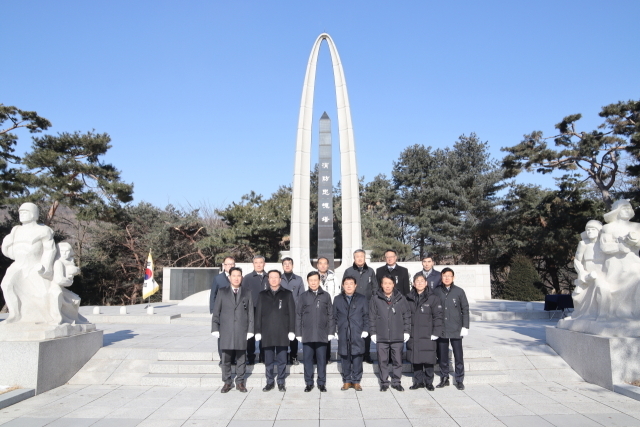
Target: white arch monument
351 227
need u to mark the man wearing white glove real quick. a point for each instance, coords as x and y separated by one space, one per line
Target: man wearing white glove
275 323
351 314
426 324
456 325
232 321
389 326
315 327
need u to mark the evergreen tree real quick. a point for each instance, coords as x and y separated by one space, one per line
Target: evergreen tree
523 283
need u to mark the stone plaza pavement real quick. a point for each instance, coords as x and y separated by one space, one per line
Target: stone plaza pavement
168 375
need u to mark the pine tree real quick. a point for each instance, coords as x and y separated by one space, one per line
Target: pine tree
524 282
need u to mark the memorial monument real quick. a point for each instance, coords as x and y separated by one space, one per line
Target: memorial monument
351 227
604 329
325 193
44 340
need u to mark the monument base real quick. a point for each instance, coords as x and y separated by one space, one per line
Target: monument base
21 331
47 364
623 328
605 361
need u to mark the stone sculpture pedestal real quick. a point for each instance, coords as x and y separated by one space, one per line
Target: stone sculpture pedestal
605 361
44 364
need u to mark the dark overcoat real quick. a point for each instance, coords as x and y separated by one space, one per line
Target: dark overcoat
365 279
400 276
456 310
389 321
426 320
256 283
233 318
275 317
351 320
314 316
219 282
295 285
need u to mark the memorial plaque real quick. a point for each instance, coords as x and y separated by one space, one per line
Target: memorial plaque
188 281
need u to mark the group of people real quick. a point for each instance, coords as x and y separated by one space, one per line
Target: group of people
278 311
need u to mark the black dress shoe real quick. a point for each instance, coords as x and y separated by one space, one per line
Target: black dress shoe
268 387
460 386
384 387
308 388
322 388
397 387
281 387
241 387
368 360
443 383
251 361
416 386
225 388
430 387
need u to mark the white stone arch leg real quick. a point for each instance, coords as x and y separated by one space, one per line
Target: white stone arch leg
351 226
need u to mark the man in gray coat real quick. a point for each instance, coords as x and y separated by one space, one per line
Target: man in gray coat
456 326
367 285
219 282
232 323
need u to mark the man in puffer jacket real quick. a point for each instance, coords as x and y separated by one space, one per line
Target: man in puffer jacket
389 326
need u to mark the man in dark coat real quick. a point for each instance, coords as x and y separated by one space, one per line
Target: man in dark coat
389 326
431 275
456 325
275 323
351 314
367 285
295 284
399 274
314 328
232 324
219 282
426 327
257 282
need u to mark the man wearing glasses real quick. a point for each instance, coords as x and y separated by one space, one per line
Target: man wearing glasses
399 274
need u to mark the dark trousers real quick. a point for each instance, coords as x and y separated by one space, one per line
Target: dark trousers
351 368
423 373
329 350
395 348
293 349
251 347
319 349
443 356
275 356
367 347
241 365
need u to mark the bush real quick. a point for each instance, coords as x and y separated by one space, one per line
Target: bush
523 283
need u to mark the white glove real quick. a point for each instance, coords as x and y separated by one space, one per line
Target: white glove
464 332
433 337
216 334
298 338
329 338
406 338
249 335
291 336
364 334
258 337
373 338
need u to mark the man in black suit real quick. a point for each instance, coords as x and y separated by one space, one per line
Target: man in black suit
399 274
431 275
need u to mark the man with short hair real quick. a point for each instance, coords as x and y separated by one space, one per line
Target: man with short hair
431 275
315 329
295 284
327 280
275 323
367 285
219 282
256 281
398 273
232 324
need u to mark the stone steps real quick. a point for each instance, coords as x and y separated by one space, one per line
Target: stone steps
297 380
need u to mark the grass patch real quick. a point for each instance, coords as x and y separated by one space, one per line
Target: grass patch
7 390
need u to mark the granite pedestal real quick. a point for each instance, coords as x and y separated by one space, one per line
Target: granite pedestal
46 364
605 361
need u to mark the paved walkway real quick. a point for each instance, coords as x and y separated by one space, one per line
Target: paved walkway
538 389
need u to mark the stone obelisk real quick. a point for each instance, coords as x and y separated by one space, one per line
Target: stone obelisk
325 193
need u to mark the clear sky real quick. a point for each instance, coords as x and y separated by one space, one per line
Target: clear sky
201 98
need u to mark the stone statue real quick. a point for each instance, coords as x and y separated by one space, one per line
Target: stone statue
27 281
607 293
35 284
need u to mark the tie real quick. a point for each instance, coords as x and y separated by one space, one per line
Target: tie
235 294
